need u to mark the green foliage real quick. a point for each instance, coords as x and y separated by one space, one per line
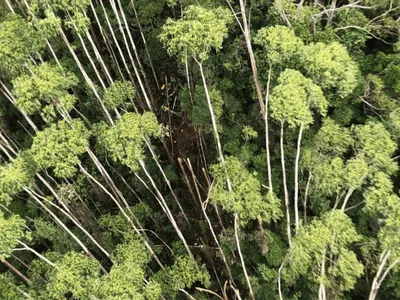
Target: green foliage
132 251
374 144
49 26
75 5
11 230
118 93
52 9
125 141
246 199
199 31
388 235
334 73
74 274
332 139
182 274
61 241
148 9
59 147
199 112
294 96
47 88
125 280
14 176
326 239
280 43
78 22
331 67
8 289
18 40
353 38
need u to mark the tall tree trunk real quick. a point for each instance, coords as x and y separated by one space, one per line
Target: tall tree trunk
139 79
16 271
166 209
221 156
285 189
62 225
267 132
247 37
145 44
378 279
296 179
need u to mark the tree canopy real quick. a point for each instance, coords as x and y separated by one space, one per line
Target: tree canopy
198 149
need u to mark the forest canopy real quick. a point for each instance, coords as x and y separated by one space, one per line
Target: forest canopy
199 149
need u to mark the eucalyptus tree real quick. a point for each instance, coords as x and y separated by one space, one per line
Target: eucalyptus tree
321 251
91 203
212 28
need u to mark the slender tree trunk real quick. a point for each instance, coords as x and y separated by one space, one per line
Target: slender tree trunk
221 156
203 207
99 57
145 44
322 290
378 279
16 271
144 92
76 222
296 180
107 42
121 54
279 281
87 79
11 98
26 247
236 221
247 37
164 205
267 133
188 78
59 222
166 180
331 13
146 81
305 198
125 215
346 198
285 189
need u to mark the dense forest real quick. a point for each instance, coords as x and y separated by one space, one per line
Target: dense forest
199 149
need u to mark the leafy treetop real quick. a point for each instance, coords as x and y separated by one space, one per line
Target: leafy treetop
199 31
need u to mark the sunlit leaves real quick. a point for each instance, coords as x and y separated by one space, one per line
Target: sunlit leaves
326 239
59 147
14 176
199 31
59 238
246 199
52 9
12 229
332 139
48 85
331 67
182 274
374 144
125 280
294 96
118 93
124 142
74 273
8 287
280 44
18 40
